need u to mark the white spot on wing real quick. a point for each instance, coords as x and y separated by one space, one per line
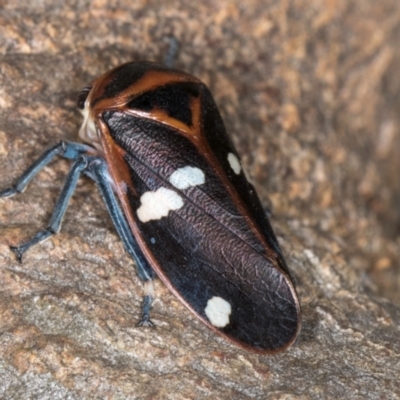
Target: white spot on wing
218 311
155 205
234 163
186 177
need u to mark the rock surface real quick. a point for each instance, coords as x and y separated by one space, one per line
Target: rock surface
310 92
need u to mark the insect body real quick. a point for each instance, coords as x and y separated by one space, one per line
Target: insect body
183 206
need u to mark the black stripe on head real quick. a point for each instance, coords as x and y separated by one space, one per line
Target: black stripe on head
174 99
127 74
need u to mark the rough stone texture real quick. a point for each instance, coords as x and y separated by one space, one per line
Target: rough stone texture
310 91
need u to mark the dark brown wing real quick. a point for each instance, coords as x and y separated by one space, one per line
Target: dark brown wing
202 246
192 211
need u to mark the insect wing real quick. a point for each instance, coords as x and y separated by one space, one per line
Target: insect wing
197 219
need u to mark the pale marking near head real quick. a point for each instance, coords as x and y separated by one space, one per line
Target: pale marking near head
186 177
155 205
88 131
234 163
218 311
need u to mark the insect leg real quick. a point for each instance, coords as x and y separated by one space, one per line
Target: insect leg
172 52
59 209
68 150
146 306
98 171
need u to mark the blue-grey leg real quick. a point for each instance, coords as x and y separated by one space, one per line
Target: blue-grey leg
95 168
59 209
68 150
172 52
146 306
98 171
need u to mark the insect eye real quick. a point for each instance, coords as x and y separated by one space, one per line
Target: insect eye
83 96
